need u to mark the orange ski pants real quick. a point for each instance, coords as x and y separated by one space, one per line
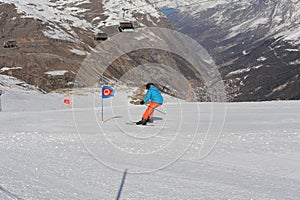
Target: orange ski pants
150 110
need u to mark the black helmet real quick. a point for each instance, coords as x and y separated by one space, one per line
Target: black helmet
148 85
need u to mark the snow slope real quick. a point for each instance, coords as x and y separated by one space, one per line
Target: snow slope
19 96
116 13
280 17
62 16
52 153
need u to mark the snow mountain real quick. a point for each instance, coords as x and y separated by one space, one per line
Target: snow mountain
54 37
254 43
62 17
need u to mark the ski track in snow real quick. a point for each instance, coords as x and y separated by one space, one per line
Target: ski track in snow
43 156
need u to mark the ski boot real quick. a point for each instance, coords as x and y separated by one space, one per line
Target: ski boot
142 122
150 120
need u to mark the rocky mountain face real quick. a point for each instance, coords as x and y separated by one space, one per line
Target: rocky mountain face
54 37
255 43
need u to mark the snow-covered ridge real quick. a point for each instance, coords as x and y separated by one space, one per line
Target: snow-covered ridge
14 84
193 7
59 15
281 17
124 10
63 15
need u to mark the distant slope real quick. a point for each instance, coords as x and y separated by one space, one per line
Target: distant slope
255 43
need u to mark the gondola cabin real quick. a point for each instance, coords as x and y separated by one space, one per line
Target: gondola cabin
126 27
101 36
10 44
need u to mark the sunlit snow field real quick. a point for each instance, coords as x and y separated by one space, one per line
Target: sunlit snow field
50 150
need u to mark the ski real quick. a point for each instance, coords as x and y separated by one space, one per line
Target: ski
134 123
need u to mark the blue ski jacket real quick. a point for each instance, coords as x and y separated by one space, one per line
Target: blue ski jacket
154 95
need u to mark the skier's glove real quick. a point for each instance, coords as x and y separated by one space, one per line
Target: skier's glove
142 102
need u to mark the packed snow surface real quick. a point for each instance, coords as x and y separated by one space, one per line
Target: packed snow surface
50 150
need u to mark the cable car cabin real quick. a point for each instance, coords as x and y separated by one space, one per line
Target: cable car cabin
126 27
101 36
10 44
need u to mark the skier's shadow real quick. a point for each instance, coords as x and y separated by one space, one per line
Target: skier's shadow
157 118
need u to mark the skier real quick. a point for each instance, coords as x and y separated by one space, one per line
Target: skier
156 99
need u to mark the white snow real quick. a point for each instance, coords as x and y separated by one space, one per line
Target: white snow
293 50
282 19
257 67
14 83
291 35
296 62
3 69
114 10
61 15
78 52
248 25
45 155
239 71
192 6
56 72
262 58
